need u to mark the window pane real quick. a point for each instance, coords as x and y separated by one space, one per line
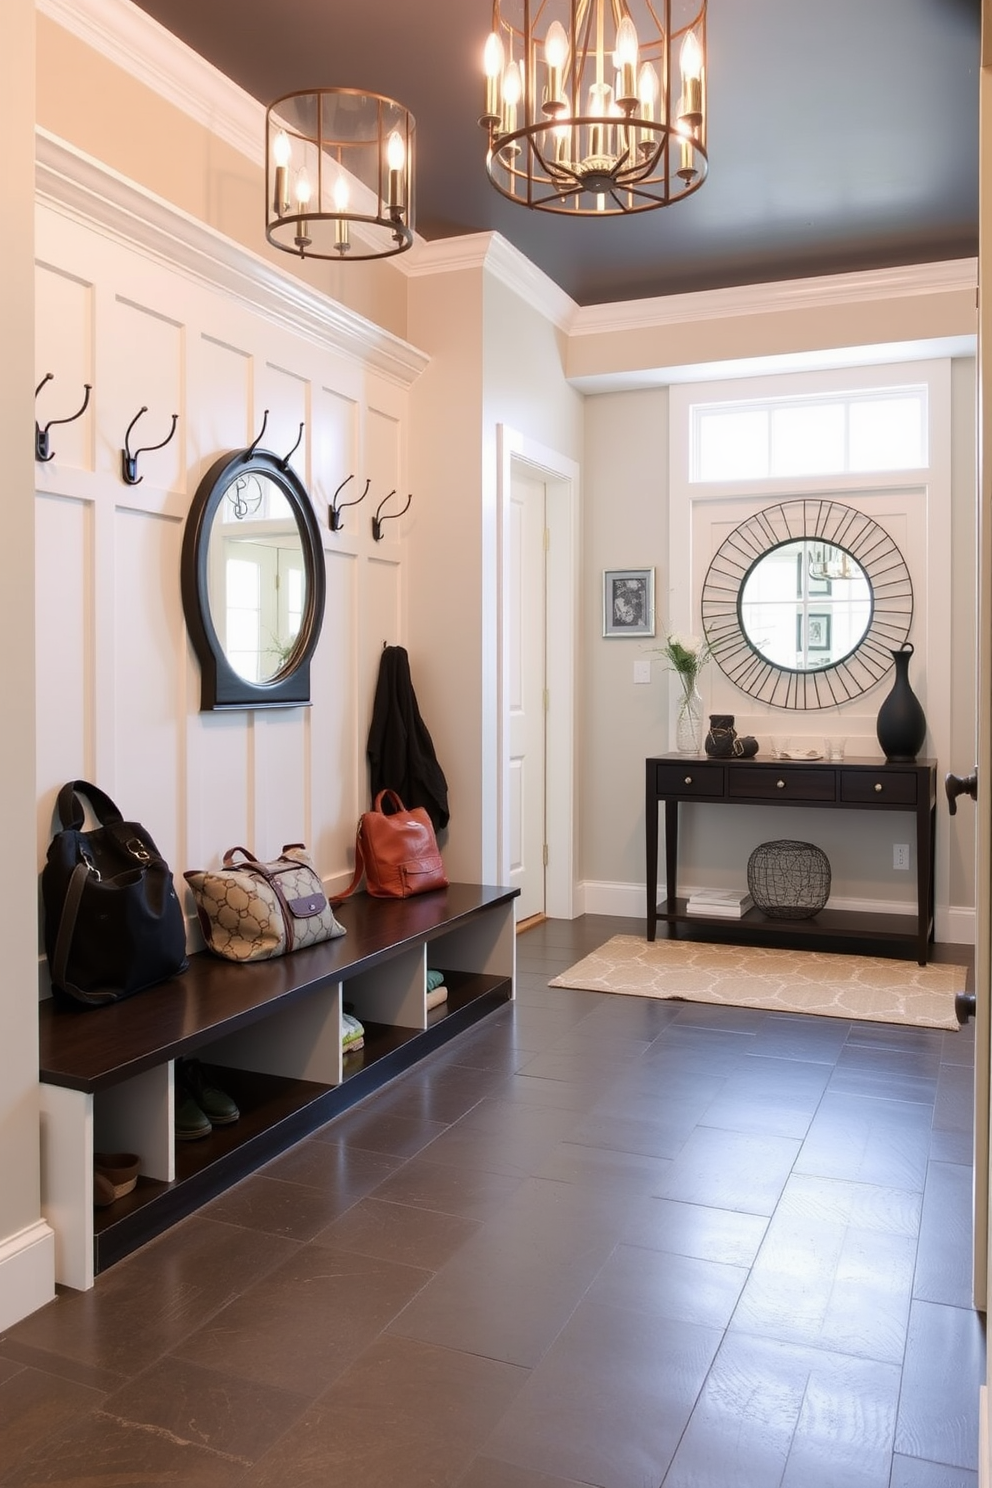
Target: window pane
887 433
242 584
732 446
808 439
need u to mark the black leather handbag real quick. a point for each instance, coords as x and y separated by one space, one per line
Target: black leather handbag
113 921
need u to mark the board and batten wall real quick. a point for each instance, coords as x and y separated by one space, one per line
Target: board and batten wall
202 330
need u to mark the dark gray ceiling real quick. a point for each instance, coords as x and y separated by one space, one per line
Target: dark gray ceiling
843 134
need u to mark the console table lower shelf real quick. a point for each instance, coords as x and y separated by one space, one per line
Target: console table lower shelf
270 1033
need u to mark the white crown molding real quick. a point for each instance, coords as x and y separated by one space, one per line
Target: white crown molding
89 192
491 251
819 293
133 41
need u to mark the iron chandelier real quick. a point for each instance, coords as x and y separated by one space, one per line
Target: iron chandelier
339 174
596 107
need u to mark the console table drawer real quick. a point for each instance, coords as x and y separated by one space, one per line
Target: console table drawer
781 785
890 788
690 780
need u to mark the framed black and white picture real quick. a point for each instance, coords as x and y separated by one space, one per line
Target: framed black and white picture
628 602
817 632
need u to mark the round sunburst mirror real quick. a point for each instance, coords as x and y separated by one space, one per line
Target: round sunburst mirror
804 603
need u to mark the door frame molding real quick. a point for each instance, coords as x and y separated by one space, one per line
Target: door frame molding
561 478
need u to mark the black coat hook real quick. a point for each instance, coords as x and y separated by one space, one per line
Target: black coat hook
337 507
258 438
284 463
42 450
378 520
129 461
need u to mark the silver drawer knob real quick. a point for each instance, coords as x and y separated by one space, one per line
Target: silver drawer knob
780 784
688 780
878 785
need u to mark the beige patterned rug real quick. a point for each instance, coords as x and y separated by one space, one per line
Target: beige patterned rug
866 988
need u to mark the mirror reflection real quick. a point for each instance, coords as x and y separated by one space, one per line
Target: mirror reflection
805 605
256 577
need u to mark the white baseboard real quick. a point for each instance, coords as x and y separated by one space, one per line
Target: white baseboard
955 924
607 898
27 1272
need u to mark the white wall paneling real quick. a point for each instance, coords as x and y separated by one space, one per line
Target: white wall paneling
64 348
146 370
118 685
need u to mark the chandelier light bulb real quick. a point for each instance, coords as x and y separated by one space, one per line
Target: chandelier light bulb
691 58
648 89
302 239
556 56
493 56
556 45
512 92
396 161
340 195
395 151
492 65
626 56
280 190
691 67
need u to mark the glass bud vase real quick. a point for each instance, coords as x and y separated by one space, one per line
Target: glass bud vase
689 722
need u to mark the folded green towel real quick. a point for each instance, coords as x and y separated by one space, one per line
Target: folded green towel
351 1030
434 979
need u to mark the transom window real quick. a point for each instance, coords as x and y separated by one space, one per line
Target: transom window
848 433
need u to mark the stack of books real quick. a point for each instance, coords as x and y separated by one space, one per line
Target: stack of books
724 904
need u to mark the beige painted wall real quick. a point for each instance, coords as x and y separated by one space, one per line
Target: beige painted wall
625 525
493 360
24 1284
445 533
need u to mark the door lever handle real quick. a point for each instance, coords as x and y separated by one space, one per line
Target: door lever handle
960 785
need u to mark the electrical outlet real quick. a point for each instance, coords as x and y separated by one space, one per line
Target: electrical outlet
900 855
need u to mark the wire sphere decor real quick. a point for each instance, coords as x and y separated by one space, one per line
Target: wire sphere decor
789 880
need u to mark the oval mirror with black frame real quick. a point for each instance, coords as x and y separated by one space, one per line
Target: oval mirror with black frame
253 583
804 603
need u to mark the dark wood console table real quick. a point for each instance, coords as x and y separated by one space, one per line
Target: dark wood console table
853 784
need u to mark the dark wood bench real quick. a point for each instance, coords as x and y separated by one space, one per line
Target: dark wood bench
274 1029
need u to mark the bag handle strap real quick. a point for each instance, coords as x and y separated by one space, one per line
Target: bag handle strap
253 865
66 931
359 869
70 808
392 797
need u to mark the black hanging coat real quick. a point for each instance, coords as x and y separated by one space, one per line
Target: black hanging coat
400 749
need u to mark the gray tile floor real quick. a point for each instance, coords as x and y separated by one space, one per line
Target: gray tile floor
595 1241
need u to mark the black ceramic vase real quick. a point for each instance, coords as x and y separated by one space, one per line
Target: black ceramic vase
901 725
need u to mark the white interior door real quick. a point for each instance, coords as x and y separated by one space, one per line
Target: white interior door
526 688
